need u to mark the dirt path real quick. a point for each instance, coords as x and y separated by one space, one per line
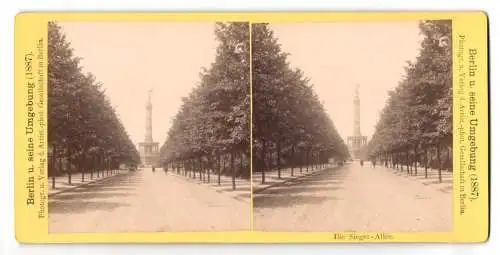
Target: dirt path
353 198
146 201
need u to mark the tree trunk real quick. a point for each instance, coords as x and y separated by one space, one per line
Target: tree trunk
61 170
176 167
242 157
98 159
307 161
391 160
199 168
301 163
278 161
320 160
221 165
322 157
189 168
401 162
264 167
193 168
209 167
438 146
92 166
292 159
416 159
184 164
103 166
96 166
202 169
192 165
398 162
186 169
448 159
81 162
53 162
68 167
233 173
313 160
407 162
426 160
386 158
108 164
396 158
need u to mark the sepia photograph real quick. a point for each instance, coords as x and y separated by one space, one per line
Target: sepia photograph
352 126
149 127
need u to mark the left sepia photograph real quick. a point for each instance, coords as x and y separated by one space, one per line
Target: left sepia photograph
148 127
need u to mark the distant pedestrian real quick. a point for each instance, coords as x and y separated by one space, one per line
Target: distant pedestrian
373 162
361 162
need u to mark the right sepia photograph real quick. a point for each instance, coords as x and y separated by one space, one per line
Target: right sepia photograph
352 126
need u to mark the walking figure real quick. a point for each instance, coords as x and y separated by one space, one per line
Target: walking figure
361 162
373 162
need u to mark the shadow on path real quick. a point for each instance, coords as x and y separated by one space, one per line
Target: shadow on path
67 207
312 189
269 201
288 190
92 195
237 189
105 195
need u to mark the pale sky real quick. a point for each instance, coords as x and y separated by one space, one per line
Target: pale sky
337 56
131 58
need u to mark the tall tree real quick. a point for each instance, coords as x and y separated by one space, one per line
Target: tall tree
213 120
82 124
288 118
417 116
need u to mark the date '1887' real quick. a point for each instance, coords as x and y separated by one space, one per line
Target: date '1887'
474 182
